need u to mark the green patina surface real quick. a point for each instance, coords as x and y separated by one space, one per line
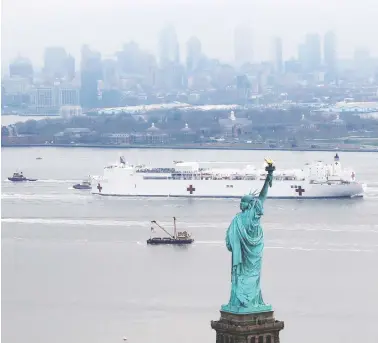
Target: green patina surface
245 239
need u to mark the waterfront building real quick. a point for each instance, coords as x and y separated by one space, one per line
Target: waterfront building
70 111
76 135
49 99
116 138
234 127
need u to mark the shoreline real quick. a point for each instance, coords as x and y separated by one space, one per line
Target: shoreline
180 147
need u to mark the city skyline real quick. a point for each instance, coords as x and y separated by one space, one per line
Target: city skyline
63 26
321 50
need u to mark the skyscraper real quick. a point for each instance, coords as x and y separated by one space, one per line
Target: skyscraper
70 67
362 62
193 53
361 55
55 62
109 73
91 73
58 64
311 53
277 55
329 51
21 67
243 45
302 55
169 50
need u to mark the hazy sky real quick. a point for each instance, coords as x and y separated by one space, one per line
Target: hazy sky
28 26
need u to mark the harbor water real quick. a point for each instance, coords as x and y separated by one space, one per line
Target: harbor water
76 267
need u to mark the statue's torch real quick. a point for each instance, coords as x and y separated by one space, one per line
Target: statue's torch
270 168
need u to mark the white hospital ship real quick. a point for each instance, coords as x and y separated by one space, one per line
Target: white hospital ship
190 180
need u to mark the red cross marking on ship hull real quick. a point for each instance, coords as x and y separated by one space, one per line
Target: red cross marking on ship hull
300 190
191 189
99 187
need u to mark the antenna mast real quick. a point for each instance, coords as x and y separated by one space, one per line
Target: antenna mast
174 227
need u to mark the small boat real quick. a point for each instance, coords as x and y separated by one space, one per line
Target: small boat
38 158
178 238
19 177
83 185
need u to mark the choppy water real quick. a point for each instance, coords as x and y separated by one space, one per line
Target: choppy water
76 268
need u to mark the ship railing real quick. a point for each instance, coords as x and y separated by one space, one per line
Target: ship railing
155 170
157 177
286 178
319 181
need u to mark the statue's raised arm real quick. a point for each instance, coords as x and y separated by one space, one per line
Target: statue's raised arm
270 168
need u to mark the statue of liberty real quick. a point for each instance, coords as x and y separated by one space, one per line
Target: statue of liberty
245 239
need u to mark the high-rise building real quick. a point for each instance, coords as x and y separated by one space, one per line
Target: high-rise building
21 67
58 64
361 55
193 53
310 53
70 67
243 48
302 55
329 51
363 63
55 62
91 73
169 49
3 98
110 74
293 66
132 60
128 58
277 55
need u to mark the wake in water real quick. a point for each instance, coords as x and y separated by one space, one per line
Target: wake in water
372 185
371 191
46 181
372 228
57 196
327 247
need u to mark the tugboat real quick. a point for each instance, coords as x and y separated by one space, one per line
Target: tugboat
19 177
178 238
83 185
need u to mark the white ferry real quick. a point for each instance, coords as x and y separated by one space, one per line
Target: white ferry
190 180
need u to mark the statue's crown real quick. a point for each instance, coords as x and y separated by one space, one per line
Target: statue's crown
248 198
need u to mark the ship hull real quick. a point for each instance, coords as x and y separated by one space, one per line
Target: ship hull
81 187
176 241
15 179
136 186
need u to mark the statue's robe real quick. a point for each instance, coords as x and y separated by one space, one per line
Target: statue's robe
245 239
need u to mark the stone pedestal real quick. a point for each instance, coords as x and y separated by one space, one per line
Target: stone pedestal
247 328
